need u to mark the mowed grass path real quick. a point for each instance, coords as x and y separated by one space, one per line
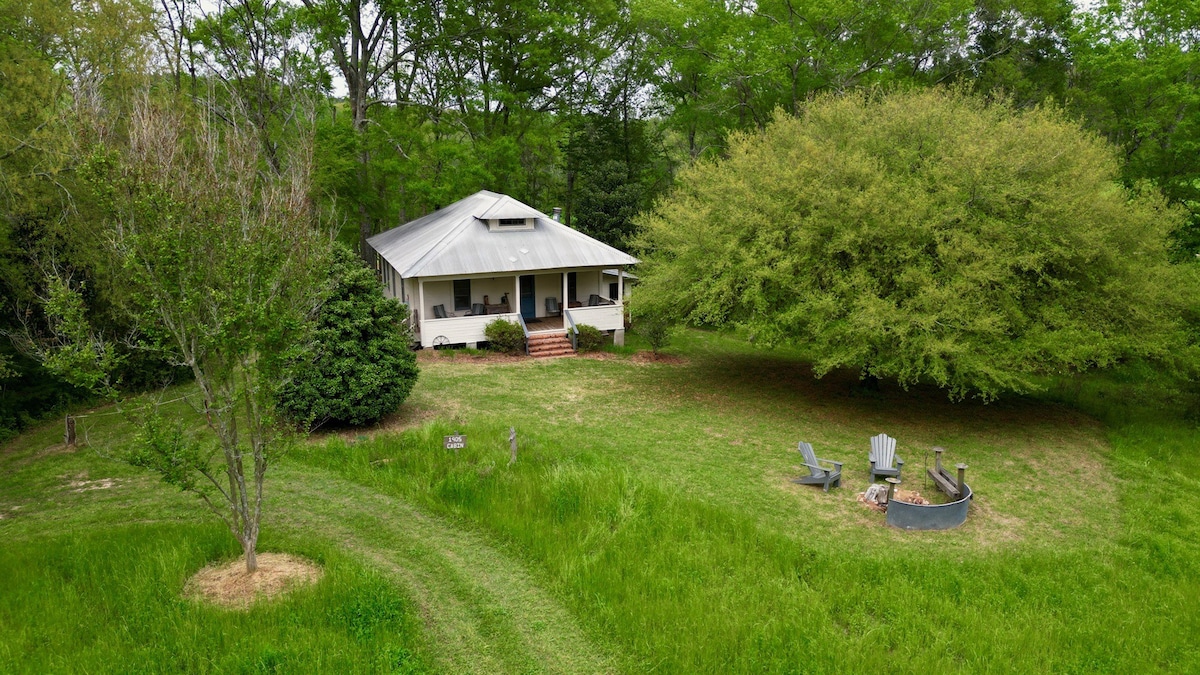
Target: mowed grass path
649 525
81 531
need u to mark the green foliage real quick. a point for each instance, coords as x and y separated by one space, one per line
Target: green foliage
921 235
590 338
614 170
81 357
31 393
655 325
215 255
505 336
1136 67
358 366
720 67
162 446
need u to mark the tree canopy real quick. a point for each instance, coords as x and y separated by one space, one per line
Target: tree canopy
924 235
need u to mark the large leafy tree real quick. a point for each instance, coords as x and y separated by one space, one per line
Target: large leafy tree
920 236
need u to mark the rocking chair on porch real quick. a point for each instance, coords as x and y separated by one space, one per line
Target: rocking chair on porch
552 307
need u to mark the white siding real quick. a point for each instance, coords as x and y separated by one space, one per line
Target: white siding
459 329
546 286
589 282
604 317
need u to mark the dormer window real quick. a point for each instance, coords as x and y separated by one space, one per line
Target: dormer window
510 224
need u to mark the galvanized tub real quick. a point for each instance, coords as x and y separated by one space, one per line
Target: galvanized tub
929 517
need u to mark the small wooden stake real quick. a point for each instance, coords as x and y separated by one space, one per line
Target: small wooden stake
512 445
962 486
69 437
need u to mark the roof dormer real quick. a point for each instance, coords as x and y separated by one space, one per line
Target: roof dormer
510 224
506 214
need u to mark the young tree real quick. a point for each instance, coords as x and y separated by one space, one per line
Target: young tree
219 261
920 236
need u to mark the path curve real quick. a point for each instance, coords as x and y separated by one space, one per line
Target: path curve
483 611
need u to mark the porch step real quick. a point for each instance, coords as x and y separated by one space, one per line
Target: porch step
550 344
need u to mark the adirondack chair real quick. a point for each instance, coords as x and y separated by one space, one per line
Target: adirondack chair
439 312
478 309
818 475
552 307
884 461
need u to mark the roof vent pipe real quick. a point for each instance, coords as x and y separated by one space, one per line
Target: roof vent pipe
556 214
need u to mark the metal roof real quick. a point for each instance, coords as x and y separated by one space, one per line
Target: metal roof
456 240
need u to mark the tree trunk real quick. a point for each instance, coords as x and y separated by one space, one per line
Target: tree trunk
250 546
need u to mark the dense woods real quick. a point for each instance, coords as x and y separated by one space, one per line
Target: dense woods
591 105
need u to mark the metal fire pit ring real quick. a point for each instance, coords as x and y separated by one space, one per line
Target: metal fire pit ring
908 516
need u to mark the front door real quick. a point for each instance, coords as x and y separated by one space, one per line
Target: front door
528 298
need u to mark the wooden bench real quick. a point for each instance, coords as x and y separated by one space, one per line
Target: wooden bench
943 479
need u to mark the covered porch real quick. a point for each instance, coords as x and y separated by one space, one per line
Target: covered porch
457 310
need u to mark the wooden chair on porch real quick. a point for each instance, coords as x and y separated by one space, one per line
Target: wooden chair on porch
439 312
552 307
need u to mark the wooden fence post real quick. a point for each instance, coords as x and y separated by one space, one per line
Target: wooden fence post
512 445
69 436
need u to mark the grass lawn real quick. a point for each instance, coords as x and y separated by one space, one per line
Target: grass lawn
649 524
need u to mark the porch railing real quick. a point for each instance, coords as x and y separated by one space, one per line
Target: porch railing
604 317
453 330
572 330
524 329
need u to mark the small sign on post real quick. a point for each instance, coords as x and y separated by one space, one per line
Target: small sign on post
455 442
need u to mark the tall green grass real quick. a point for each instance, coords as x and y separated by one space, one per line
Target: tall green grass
681 585
111 601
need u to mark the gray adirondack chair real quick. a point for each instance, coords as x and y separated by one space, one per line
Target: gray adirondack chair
884 461
818 475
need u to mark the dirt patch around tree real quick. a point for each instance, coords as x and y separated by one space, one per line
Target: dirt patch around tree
229 585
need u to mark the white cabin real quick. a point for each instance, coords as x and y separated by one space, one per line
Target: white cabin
489 256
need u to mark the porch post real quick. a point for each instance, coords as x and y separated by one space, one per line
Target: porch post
421 308
517 295
619 334
563 305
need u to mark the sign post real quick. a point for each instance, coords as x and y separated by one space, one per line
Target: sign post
455 442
